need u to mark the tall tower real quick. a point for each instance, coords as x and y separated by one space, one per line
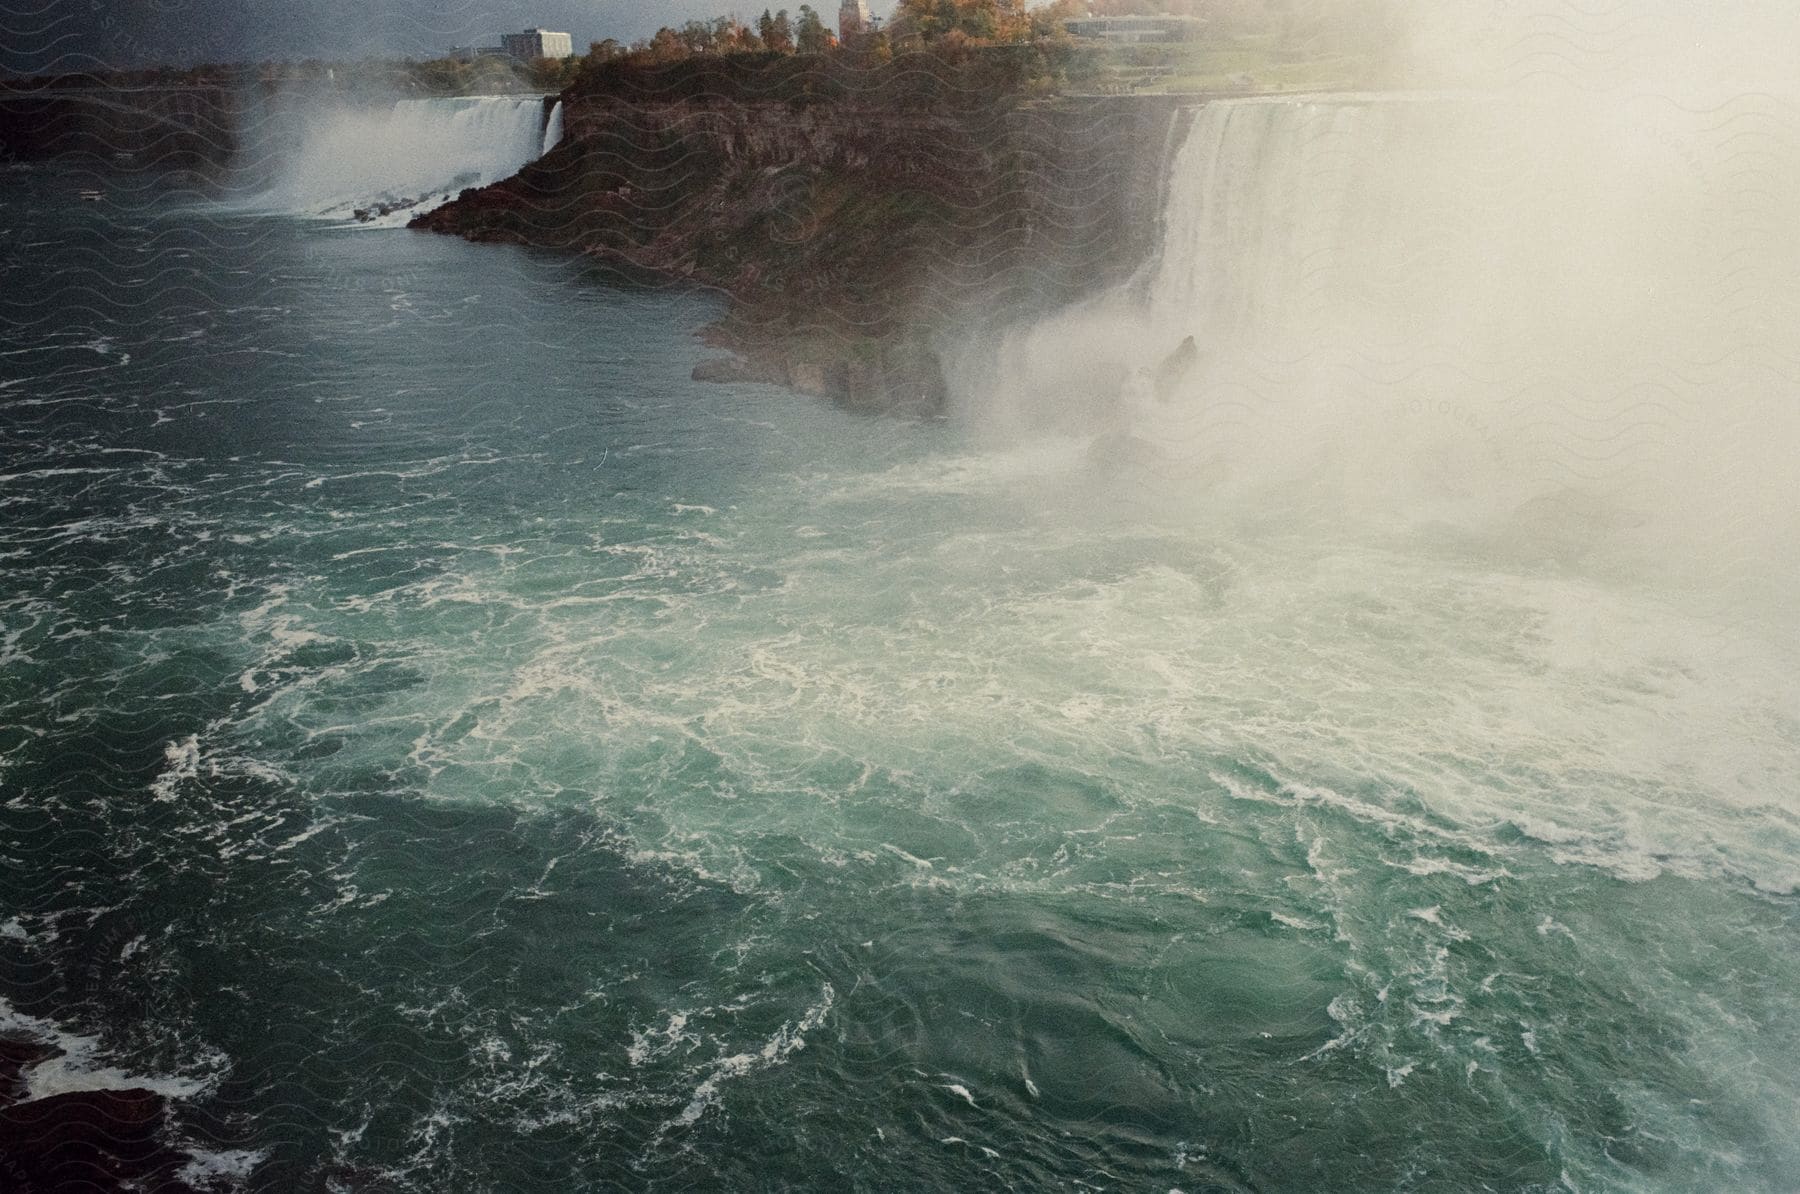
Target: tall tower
853 19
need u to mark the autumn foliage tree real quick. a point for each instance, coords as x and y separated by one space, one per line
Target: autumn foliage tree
951 25
973 20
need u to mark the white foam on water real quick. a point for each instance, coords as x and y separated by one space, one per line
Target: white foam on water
211 1168
79 1067
181 763
961 1092
786 1041
648 1044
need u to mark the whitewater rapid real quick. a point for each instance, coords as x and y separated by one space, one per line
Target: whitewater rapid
451 743
1543 345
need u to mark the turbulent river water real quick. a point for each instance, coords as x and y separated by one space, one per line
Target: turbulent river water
446 748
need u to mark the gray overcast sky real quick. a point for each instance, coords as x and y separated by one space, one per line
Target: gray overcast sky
39 36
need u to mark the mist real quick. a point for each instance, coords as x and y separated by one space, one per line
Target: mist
1538 306
381 163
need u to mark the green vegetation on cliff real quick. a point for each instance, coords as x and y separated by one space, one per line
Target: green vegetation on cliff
1226 44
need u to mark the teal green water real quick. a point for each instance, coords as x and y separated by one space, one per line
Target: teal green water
456 751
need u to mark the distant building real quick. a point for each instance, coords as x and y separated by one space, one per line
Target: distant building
853 20
537 43
1133 30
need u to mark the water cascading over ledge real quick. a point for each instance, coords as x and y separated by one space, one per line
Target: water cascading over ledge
385 165
1560 326
855 235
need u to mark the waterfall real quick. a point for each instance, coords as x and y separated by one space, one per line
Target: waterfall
553 128
1333 228
1447 309
1376 226
391 163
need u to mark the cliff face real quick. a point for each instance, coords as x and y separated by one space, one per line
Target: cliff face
858 218
851 234
192 129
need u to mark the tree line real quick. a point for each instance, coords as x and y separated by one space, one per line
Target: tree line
947 26
915 25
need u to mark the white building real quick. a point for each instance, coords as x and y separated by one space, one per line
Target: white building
537 43
853 19
1137 30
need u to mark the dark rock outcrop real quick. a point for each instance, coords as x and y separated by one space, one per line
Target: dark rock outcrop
89 1140
856 221
161 129
17 1057
81 1140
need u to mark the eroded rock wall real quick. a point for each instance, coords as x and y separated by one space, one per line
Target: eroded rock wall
852 234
